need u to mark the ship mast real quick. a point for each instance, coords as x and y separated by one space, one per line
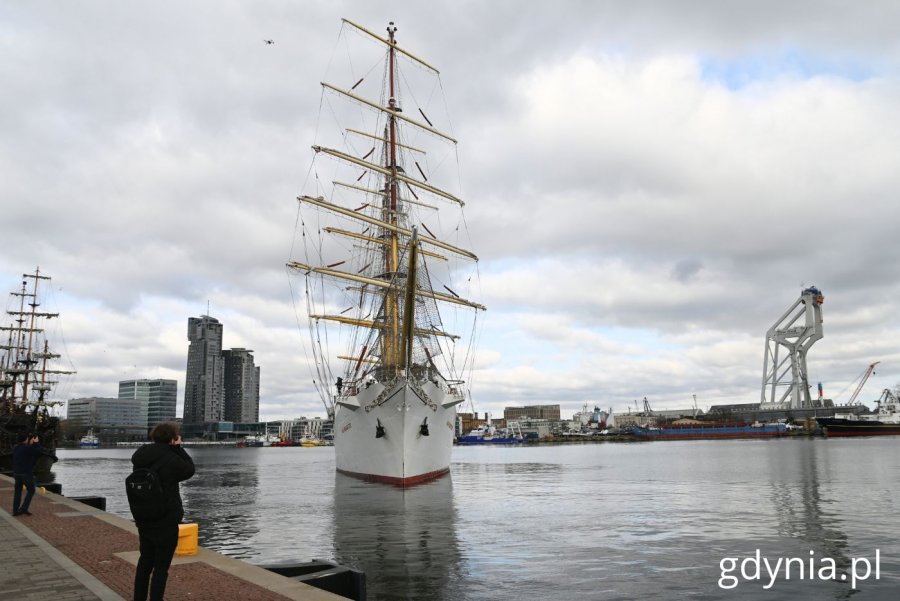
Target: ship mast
391 343
388 233
23 351
29 358
15 341
409 304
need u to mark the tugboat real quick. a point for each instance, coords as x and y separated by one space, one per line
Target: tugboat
381 274
27 374
885 420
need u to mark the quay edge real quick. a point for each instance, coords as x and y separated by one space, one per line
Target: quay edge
105 547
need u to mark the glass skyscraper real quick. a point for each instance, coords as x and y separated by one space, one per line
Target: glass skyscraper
158 398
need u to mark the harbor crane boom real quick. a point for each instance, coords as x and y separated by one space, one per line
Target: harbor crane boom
869 371
785 382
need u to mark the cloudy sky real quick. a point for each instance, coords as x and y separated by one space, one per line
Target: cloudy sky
649 185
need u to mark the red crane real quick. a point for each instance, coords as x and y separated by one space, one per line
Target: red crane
869 372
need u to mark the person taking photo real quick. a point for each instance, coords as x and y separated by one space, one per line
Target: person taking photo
159 536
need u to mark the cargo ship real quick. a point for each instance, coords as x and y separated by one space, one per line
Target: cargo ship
885 420
712 430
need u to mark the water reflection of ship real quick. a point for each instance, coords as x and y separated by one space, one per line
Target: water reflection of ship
404 540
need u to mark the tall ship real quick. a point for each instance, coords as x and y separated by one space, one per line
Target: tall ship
885 420
28 372
386 275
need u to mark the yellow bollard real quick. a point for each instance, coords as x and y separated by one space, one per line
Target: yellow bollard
43 490
187 539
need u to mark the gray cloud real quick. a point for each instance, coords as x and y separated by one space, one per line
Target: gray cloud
649 176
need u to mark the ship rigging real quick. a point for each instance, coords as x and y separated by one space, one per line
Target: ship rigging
383 269
27 369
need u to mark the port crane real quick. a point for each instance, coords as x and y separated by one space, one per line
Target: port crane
785 382
887 401
869 371
886 397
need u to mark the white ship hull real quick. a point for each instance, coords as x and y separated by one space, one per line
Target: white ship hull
404 455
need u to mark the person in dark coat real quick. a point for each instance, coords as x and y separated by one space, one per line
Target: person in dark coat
159 538
25 454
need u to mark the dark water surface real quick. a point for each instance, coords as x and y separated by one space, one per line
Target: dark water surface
582 521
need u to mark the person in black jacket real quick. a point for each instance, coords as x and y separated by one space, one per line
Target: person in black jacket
24 456
159 538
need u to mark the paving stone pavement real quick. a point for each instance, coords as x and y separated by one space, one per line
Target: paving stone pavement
69 551
30 573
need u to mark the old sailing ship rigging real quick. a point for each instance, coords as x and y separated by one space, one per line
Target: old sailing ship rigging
27 372
386 278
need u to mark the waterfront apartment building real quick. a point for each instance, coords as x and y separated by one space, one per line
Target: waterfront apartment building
158 398
302 427
241 386
548 412
204 385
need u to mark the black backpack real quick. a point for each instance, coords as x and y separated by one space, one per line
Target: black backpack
146 497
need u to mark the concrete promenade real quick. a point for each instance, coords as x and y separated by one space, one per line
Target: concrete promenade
68 551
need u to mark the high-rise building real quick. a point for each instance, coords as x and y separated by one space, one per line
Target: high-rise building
205 376
158 398
241 386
